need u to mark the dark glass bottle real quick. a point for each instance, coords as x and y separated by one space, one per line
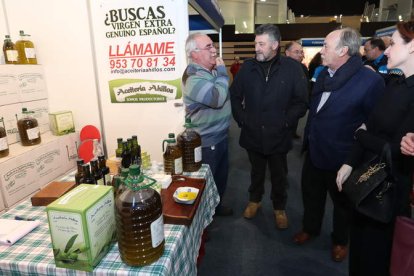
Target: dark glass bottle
79 172
126 156
135 151
10 51
104 170
4 145
29 131
139 220
173 157
96 172
190 143
87 177
119 149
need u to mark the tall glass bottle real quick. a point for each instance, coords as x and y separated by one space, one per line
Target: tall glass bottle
135 151
104 170
173 157
126 155
87 177
139 220
10 51
119 149
26 50
79 171
96 172
4 145
28 127
190 143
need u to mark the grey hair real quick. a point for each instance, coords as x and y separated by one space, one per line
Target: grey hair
351 39
271 30
191 44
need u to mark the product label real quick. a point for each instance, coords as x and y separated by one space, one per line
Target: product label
33 133
30 52
197 154
101 224
67 237
3 143
157 231
178 165
11 55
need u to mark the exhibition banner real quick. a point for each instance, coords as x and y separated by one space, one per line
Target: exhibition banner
142 58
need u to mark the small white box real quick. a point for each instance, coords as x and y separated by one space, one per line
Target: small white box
31 81
61 122
19 178
49 161
11 113
68 145
41 113
9 86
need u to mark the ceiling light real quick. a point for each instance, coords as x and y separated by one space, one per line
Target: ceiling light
245 24
262 0
270 16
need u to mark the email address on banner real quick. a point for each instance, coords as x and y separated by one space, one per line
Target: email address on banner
141 70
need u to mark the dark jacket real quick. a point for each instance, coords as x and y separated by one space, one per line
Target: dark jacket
329 133
266 110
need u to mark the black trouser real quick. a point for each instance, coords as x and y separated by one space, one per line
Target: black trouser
315 185
278 172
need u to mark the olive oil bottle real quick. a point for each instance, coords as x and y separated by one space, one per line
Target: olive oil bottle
139 220
10 51
190 144
28 127
26 50
173 157
79 171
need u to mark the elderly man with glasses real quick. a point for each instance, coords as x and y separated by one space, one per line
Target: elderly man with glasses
206 98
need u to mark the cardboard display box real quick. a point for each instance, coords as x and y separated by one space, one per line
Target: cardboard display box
82 226
9 87
61 123
19 178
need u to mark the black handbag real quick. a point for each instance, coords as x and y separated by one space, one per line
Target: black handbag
370 187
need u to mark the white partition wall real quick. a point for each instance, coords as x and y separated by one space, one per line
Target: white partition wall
61 33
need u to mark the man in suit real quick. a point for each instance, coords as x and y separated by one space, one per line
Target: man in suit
342 99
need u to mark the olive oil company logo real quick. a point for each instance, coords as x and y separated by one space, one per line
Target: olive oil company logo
143 92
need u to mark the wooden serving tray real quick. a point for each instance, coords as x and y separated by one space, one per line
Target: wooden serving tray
51 192
178 213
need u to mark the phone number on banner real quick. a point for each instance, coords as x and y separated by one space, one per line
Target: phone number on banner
142 62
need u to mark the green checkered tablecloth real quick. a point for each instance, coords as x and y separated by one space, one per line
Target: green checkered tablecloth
32 254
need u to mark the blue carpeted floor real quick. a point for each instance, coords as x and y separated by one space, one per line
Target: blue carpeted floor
238 246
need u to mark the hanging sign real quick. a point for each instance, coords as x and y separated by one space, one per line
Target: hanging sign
142 56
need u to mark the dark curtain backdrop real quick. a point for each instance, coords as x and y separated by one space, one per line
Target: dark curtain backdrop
329 7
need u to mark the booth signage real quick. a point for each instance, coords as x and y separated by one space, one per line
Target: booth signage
140 39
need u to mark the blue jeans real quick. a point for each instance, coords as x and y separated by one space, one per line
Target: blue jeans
217 157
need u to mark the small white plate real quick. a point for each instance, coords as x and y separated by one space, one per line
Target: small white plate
185 195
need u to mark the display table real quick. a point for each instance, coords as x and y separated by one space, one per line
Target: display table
32 255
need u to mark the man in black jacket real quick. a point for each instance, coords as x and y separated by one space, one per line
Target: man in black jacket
268 96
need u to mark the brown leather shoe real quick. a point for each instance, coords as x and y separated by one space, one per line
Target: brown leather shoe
301 237
339 252
251 209
281 219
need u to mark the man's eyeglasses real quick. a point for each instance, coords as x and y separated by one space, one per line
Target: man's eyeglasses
208 47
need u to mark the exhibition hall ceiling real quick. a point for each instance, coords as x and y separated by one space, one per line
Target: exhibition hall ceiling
249 12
